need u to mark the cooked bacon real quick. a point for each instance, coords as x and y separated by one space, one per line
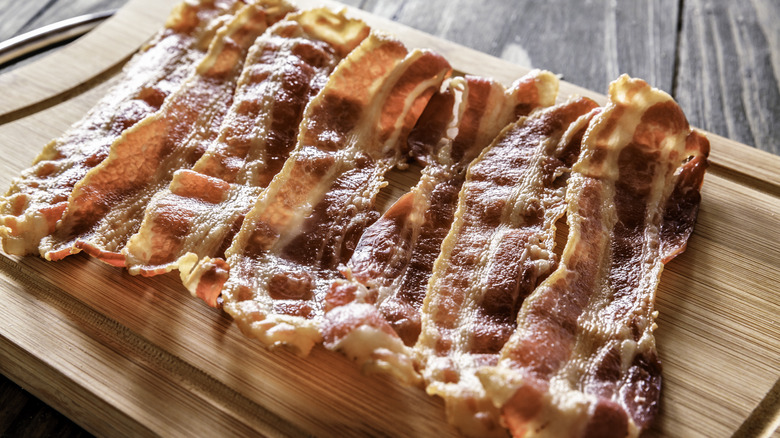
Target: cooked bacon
308 220
35 202
500 246
395 255
582 361
106 207
204 207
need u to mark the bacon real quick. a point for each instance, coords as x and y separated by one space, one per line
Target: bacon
582 361
308 220
106 207
395 255
500 246
203 208
35 201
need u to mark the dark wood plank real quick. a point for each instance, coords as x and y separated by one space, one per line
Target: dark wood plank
28 16
589 43
16 15
21 414
57 10
729 59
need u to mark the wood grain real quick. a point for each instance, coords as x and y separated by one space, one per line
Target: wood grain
55 10
589 43
727 81
109 349
17 16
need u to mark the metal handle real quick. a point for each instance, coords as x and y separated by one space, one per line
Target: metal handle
45 36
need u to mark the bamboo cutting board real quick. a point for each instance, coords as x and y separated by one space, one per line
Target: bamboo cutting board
138 356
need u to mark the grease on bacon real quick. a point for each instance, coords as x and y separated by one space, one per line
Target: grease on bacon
106 206
307 221
582 361
375 317
500 246
203 208
37 199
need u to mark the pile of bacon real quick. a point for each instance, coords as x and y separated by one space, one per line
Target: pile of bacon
246 146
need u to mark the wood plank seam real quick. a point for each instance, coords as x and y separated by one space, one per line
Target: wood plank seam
677 49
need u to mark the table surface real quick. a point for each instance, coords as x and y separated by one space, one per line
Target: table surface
720 59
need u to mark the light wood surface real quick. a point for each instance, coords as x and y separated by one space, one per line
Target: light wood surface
139 356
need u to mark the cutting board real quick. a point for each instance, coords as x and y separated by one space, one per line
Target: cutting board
125 355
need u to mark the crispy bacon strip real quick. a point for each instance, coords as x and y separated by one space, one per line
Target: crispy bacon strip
582 361
498 249
203 208
308 220
394 258
106 207
35 201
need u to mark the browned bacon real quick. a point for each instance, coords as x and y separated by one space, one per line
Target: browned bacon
582 361
309 218
395 255
35 202
499 247
106 207
203 208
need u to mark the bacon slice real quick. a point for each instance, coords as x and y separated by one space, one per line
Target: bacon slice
203 208
394 258
309 218
582 361
35 201
499 247
106 207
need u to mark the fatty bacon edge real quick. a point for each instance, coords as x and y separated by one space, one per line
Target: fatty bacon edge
374 316
107 206
582 360
204 207
308 220
500 246
36 200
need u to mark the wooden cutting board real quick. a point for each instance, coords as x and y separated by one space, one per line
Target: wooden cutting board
124 355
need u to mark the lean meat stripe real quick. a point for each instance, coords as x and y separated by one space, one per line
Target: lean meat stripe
106 207
201 211
394 258
499 248
36 200
582 361
308 220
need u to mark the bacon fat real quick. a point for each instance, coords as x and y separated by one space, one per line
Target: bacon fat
307 221
201 211
582 361
106 207
35 202
498 249
395 255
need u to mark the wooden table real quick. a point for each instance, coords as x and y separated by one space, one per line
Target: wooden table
719 59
